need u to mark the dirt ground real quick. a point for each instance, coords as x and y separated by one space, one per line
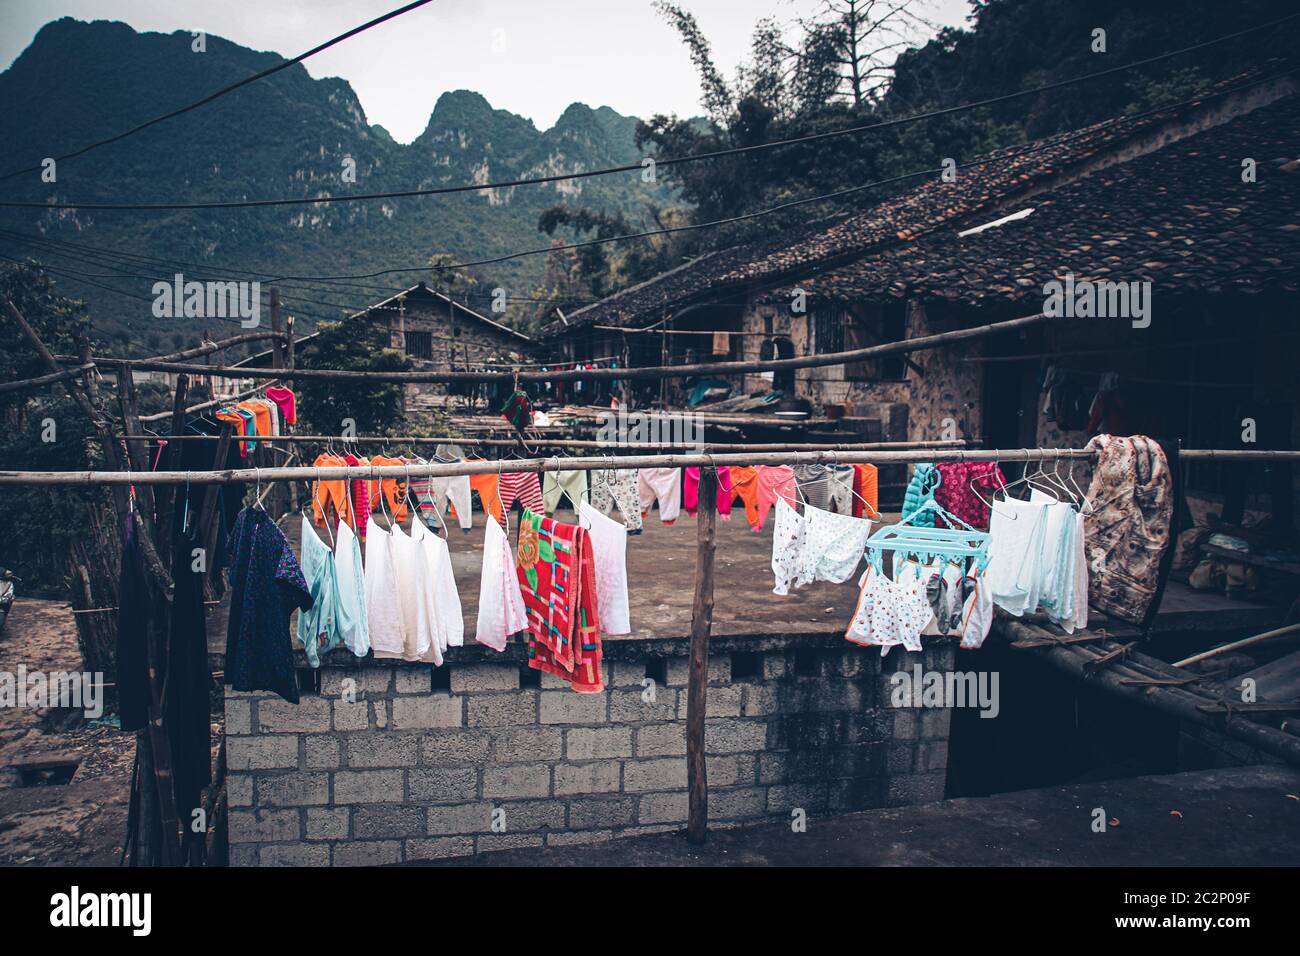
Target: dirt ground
44 822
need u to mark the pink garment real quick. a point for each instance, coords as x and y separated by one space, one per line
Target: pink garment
774 481
691 492
284 398
954 493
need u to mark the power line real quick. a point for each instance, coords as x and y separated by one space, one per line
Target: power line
228 89
671 161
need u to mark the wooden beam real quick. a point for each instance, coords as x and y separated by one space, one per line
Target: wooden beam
31 383
697 780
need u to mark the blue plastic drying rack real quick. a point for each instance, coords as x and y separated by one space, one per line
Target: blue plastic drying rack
929 544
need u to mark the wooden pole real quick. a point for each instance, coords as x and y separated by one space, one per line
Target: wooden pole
277 347
1244 642
697 781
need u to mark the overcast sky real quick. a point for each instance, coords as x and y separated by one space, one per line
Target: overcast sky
532 57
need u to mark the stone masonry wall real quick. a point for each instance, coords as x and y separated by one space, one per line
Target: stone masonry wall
405 772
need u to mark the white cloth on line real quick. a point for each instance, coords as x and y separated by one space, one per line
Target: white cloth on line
501 610
609 546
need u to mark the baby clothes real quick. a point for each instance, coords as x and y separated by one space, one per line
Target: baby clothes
663 484
813 484
521 486
744 485
288 404
942 583
787 546
571 484
353 626
609 548
977 616
616 487
868 488
501 610
433 494
839 483
833 546
920 490
691 492
330 500
387 637
889 613
393 490
773 482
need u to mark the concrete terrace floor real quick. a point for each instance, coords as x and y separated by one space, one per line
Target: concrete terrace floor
1246 816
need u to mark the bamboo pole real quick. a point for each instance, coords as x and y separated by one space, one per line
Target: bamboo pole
552 463
196 351
697 780
1244 642
918 344
53 377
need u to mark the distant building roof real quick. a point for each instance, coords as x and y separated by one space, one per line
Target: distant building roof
1003 182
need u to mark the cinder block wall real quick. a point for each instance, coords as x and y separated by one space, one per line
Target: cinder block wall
404 772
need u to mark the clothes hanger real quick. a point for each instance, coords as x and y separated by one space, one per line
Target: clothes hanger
997 473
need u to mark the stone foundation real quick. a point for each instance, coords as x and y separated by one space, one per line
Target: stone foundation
403 762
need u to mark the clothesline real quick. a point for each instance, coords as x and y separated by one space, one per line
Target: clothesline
556 463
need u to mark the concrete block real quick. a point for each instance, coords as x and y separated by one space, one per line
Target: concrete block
443 784
631 707
327 823
263 752
663 808
299 789
734 735
739 803
387 821
592 743
239 789
567 707
487 842
321 752
518 815
600 776
465 818
661 740
310 715
264 826
366 853
239 716
434 710
502 710
351 716
368 786
413 680
517 780
440 848
466 678
721 702
515 744
382 750
440 747
590 813
660 773
296 854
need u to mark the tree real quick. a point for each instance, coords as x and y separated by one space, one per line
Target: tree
358 345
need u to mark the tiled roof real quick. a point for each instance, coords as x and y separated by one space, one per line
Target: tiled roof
1181 218
994 183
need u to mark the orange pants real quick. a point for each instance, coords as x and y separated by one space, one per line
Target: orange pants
393 489
744 485
237 424
868 487
327 496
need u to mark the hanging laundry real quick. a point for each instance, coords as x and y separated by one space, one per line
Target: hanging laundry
788 533
1016 532
833 546
774 482
187 689
353 625
284 398
1128 531
572 485
331 501
383 615
558 580
487 487
359 493
663 485
888 613
691 492
521 486
392 490
744 485
501 610
319 629
518 410
134 698
867 486
814 484
266 584
920 490
414 597
956 495
840 482
442 600
609 549
617 487
433 495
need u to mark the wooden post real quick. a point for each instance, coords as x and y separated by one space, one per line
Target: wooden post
277 343
697 782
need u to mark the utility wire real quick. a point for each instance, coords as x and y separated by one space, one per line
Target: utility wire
671 161
228 89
